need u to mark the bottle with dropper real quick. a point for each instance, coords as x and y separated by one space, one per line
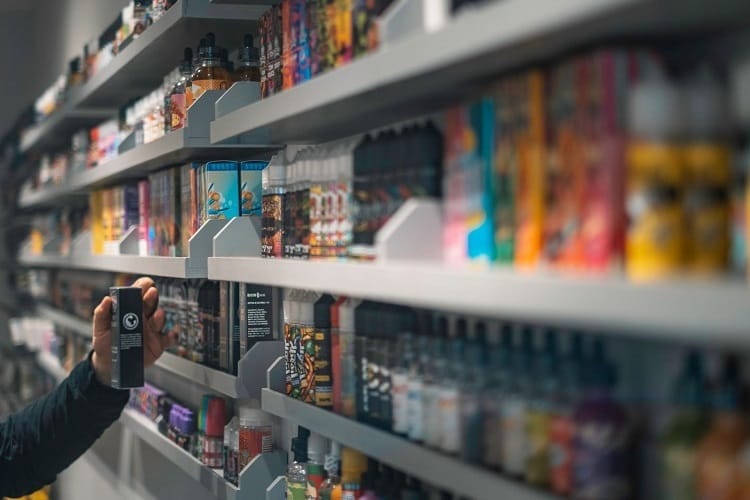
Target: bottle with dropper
248 69
178 96
212 74
296 474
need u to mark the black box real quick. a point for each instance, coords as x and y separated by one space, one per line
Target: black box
127 337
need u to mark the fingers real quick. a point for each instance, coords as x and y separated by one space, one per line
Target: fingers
103 316
150 302
157 321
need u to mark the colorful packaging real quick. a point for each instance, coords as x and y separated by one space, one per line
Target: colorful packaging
343 32
188 204
506 165
144 204
568 87
467 184
289 44
301 28
529 202
251 191
221 193
96 210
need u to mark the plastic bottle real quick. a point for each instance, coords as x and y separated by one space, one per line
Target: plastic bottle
500 346
317 446
415 388
601 468
348 361
214 438
655 181
211 74
255 432
539 414
433 376
296 473
472 388
178 95
400 382
249 59
330 489
717 474
708 174
449 395
353 465
678 445
514 405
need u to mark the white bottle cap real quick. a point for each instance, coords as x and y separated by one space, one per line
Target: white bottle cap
705 113
654 107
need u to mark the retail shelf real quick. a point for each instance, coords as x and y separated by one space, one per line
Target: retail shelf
425 72
142 64
65 320
51 365
253 480
691 311
216 380
173 267
419 461
173 148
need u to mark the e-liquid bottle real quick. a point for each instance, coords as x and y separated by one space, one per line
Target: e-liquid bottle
472 389
317 446
212 74
273 181
296 473
353 465
330 489
249 59
178 96
515 405
349 375
400 381
433 376
454 373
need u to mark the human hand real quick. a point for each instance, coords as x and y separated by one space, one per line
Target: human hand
154 342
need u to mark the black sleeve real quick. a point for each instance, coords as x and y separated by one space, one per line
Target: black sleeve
47 436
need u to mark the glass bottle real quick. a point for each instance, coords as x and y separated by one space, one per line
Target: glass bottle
249 62
212 74
178 96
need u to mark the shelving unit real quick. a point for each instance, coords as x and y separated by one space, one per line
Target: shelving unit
685 311
69 321
51 365
425 72
131 73
260 471
216 380
174 267
437 468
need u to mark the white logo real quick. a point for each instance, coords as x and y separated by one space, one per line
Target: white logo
130 321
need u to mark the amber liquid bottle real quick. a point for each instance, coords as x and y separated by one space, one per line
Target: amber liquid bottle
248 69
211 74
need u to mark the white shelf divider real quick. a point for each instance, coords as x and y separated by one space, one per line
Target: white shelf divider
217 380
253 481
51 365
424 463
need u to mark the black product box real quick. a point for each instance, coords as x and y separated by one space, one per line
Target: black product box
258 308
127 337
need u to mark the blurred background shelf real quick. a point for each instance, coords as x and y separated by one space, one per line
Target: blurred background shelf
172 267
216 380
65 320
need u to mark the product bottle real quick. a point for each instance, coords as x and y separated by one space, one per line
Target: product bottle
655 182
273 180
433 376
214 439
400 384
249 59
500 346
515 403
708 175
317 446
353 465
602 436
296 473
330 489
544 385
415 388
255 432
562 426
678 445
718 452
323 360
211 74
449 396
178 95
349 374
472 389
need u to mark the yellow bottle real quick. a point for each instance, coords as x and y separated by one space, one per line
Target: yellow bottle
655 182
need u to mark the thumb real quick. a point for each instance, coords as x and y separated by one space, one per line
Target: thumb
103 317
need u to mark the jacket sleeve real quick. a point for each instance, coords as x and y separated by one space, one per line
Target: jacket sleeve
47 436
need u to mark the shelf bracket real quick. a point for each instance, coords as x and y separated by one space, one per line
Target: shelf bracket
414 232
254 366
128 244
262 471
202 244
240 237
275 375
277 489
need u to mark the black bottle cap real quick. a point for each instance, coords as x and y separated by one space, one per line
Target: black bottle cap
248 53
322 311
186 64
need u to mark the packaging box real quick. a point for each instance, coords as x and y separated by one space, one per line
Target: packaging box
221 190
127 337
251 187
258 311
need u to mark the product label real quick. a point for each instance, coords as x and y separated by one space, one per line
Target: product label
273 225
253 442
294 360
400 401
323 382
562 433
415 409
514 443
679 472
493 423
537 431
201 86
177 110
295 491
600 461
450 439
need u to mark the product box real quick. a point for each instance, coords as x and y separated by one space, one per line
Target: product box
97 222
258 312
288 44
505 169
529 196
221 180
144 209
300 27
207 339
251 187
127 337
468 180
188 204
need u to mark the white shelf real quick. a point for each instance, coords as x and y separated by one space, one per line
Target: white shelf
141 66
51 365
211 479
691 311
216 380
65 320
173 267
431 466
425 72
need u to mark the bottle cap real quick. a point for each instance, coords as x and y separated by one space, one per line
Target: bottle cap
317 446
215 417
654 107
248 53
705 110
